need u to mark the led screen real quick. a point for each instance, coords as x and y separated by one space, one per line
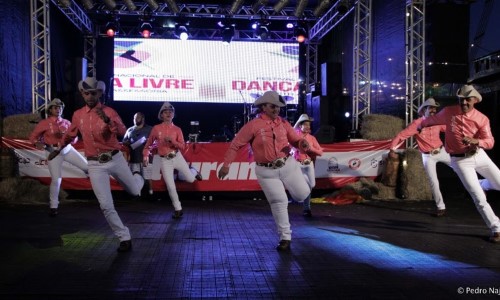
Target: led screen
203 71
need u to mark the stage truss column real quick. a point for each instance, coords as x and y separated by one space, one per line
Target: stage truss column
311 70
40 45
89 54
415 60
361 80
40 54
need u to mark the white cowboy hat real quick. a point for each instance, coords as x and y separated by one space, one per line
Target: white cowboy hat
165 106
91 84
55 102
428 102
467 91
271 97
302 118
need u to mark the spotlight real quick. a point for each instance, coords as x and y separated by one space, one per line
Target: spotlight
299 9
130 5
322 6
173 6
181 32
280 5
146 30
110 4
262 32
227 34
111 29
88 4
152 4
300 34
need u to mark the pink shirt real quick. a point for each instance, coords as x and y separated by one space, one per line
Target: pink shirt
50 131
458 125
98 137
268 138
427 140
314 147
157 139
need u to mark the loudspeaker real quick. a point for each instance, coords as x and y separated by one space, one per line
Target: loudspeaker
325 134
331 79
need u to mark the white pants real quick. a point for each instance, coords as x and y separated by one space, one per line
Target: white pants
167 170
146 172
308 171
68 154
273 183
430 162
99 177
466 168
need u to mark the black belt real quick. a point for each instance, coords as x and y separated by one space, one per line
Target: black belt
466 154
275 164
434 151
104 157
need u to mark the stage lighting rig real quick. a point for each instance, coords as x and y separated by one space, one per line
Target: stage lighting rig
181 32
300 34
111 28
146 30
227 33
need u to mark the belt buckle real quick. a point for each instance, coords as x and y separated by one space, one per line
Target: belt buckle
104 157
306 162
278 163
171 155
435 151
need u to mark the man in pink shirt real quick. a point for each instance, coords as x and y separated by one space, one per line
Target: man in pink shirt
430 145
100 127
307 158
270 137
468 132
169 141
48 135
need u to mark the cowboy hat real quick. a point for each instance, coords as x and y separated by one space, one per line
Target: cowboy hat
303 118
428 102
90 84
165 106
55 102
467 91
271 97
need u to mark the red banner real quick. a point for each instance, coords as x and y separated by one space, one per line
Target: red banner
341 163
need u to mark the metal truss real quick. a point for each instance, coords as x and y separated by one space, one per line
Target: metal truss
40 54
331 18
40 46
311 66
285 36
361 79
206 11
415 59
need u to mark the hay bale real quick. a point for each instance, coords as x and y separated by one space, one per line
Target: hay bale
20 126
418 186
413 183
376 127
17 190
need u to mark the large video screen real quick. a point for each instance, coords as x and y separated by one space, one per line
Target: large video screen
203 71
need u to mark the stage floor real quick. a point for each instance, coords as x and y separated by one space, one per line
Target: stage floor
225 248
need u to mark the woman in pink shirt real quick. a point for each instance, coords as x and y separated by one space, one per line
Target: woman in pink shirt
307 158
169 141
270 137
48 135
